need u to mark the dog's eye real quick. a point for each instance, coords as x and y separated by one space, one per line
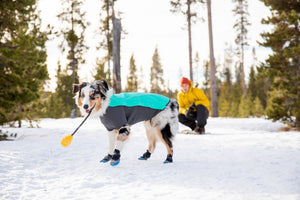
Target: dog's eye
92 97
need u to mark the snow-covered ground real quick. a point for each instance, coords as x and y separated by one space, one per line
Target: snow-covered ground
238 159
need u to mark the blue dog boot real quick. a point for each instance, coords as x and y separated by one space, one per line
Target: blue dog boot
169 159
115 158
145 156
107 158
114 162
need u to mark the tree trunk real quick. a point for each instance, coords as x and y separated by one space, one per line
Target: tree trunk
190 39
213 81
107 36
116 55
298 97
243 77
19 120
242 53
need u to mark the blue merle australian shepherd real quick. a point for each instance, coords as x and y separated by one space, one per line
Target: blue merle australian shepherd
118 112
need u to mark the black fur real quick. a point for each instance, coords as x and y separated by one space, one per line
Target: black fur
124 130
167 135
174 105
105 85
77 88
102 88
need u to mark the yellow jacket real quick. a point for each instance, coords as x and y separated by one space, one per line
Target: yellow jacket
194 95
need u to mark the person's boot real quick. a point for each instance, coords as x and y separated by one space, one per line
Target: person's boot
199 130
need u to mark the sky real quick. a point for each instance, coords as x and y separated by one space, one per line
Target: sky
149 24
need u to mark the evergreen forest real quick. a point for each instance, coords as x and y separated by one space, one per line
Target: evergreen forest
272 89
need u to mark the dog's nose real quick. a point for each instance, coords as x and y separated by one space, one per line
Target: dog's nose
86 106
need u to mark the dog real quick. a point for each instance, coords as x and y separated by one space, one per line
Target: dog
118 112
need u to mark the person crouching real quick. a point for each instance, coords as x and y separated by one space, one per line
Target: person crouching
193 106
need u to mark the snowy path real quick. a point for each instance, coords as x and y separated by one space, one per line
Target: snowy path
239 159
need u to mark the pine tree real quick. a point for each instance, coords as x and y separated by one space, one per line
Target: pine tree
55 107
262 84
63 92
236 99
132 79
255 92
241 24
191 13
106 34
206 86
283 66
156 74
73 34
225 98
245 107
258 109
22 59
251 90
101 72
224 108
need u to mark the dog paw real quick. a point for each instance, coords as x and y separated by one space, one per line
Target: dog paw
145 156
114 162
107 158
169 159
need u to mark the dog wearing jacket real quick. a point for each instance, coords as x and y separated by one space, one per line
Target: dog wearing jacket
118 112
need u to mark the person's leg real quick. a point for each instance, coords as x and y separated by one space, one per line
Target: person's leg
187 122
202 115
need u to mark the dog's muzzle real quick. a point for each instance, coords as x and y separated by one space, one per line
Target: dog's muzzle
86 108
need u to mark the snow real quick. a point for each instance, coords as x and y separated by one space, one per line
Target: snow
244 159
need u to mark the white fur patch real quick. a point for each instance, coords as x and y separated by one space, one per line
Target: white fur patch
167 116
104 104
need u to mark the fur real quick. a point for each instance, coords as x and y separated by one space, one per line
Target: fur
162 126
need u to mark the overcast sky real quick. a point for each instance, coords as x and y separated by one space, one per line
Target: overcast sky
150 24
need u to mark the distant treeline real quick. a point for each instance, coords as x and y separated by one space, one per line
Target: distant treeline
273 88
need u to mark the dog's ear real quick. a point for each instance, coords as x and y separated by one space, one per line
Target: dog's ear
105 85
83 85
102 86
75 88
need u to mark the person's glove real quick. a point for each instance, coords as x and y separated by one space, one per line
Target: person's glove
191 112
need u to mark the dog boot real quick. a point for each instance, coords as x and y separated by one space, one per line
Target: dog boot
107 158
115 158
145 156
169 159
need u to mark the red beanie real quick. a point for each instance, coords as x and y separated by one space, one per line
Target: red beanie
185 81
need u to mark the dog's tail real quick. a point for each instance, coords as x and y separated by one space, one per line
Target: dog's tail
167 135
171 128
